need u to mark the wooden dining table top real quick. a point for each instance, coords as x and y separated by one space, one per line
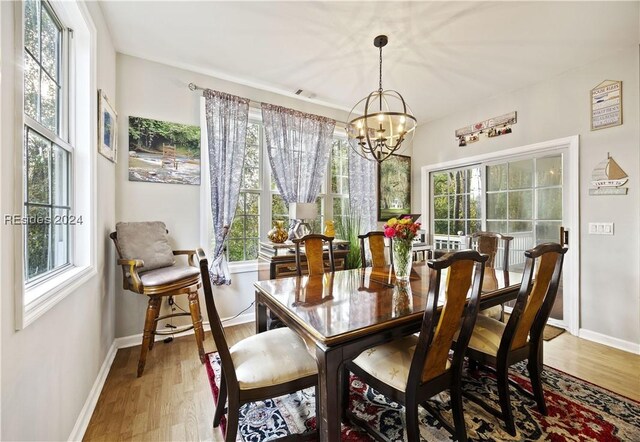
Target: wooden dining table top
340 306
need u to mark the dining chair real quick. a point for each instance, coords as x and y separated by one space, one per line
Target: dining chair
489 243
149 268
314 253
412 369
376 248
260 367
502 345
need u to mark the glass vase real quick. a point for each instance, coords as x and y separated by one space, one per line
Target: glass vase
402 258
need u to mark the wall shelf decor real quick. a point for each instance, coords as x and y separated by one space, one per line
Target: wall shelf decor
493 127
606 105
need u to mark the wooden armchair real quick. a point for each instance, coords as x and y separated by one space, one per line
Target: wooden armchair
414 368
260 367
503 345
376 247
149 268
314 253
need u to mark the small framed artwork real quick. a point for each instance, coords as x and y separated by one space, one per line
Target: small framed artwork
394 187
107 128
606 105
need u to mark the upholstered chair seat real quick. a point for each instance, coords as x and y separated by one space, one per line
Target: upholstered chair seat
167 275
272 358
495 312
487 335
390 362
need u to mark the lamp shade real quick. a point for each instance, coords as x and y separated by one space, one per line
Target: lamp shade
303 211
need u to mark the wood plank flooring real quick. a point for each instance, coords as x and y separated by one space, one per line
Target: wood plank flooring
172 400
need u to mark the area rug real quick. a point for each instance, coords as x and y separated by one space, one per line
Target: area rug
577 411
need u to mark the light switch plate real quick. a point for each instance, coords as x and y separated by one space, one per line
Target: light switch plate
600 228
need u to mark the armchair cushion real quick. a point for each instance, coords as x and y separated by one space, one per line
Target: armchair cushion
147 241
271 358
166 275
487 335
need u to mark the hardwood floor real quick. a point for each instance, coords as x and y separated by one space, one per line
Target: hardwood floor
172 400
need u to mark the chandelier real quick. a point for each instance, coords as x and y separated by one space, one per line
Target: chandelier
379 123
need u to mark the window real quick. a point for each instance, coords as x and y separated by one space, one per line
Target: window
258 209
47 150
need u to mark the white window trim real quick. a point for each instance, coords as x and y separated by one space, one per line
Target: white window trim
572 258
49 291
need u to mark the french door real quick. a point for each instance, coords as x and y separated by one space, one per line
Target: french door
529 194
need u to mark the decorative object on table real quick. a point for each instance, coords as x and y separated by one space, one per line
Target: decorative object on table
401 233
329 228
107 128
585 409
402 299
493 127
606 105
300 213
348 230
278 234
380 123
394 187
607 178
163 152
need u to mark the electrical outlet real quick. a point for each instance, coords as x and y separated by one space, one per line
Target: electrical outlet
600 228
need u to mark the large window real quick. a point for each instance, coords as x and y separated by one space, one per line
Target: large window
260 203
48 152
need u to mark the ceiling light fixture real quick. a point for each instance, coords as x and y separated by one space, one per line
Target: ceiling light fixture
379 128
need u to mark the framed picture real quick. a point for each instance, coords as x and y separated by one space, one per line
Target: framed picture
163 152
107 128
394 187
606 105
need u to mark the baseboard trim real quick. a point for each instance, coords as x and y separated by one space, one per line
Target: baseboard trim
620 344
90 404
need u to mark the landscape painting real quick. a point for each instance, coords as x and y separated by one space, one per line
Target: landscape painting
163 152
394 187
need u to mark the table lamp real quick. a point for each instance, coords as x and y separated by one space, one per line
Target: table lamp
300 212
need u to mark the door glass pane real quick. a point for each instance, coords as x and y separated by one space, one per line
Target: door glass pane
521 227
549 171
547 231
497 205
521 204
549 203
497 177
521 174
497 226
441 227
440 182
38 157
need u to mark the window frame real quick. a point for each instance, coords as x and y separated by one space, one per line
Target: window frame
35 297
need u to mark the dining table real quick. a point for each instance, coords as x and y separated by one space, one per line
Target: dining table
340 314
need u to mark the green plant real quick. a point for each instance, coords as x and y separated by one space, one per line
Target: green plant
348 229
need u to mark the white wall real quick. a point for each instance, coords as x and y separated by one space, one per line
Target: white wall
556 108
49 367
153 90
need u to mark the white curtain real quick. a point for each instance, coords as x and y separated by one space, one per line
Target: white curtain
298 145
226 120
363 179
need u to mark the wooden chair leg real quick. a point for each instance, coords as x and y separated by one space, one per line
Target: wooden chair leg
155 324
147 336
196 318
458 413
505 401
411 416
534 368
346 385
222 400
233 415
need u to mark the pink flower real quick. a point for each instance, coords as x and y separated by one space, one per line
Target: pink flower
389 232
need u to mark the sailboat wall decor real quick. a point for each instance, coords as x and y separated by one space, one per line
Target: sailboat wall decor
607 178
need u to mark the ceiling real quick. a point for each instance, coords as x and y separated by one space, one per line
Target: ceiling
441 56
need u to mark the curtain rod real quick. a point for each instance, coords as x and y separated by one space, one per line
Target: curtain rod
256 104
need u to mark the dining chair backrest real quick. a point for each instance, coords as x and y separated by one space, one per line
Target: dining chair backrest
536 296
488 243
313 250
214 320
464 277
376 248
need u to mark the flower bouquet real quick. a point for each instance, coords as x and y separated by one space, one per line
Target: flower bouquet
401 231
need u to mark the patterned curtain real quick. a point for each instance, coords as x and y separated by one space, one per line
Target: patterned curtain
363 179
227 118
298 146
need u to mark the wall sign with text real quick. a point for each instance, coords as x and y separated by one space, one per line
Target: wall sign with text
606 105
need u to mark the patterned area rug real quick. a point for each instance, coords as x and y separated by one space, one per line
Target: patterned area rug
577 411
